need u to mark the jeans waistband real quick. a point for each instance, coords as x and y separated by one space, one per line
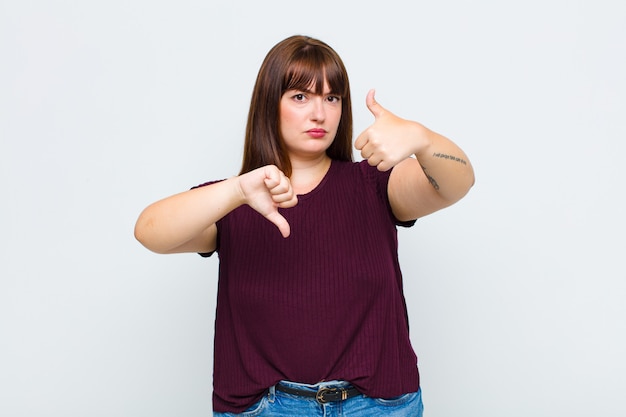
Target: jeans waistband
316 387
322 392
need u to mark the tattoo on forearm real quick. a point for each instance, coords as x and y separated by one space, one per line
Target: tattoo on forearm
450 157
430 179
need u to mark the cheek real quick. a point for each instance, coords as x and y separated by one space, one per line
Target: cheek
286 124
337 118
286 116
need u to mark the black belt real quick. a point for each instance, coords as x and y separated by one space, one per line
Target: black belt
323 395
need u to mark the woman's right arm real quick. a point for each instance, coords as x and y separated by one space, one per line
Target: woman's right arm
185 222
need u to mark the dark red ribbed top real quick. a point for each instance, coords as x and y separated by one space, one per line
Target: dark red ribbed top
326 303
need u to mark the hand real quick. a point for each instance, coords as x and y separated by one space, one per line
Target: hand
390 139
266 189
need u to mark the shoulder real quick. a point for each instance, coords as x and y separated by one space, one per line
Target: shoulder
380 181
357 176
360 169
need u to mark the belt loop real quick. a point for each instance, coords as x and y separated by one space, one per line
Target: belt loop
271 395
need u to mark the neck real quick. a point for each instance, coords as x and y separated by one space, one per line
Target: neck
306 175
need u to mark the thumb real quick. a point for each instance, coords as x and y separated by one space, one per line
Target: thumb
376 109
280 222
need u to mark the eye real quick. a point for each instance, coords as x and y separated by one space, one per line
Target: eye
334 99
299 97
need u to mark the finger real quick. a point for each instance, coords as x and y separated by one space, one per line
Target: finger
383 166
277 187
272 176
361 141
280 222
374 160
376 109
285 200
281 191
366 152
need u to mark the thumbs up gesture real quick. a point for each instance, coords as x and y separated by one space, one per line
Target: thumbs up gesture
390 139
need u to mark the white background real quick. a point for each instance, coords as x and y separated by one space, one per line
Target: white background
516 294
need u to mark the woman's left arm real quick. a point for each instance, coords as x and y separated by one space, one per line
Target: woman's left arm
439 175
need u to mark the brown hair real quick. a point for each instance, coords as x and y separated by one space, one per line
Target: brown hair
294 63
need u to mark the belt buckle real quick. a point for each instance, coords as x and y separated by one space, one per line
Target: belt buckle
336 394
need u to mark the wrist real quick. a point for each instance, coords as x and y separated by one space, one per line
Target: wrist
424 139
236 190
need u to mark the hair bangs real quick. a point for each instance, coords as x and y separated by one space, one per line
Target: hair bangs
309 71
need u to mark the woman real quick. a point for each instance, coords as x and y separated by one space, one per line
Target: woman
311 318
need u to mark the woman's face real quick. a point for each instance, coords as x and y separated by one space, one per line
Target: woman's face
309 122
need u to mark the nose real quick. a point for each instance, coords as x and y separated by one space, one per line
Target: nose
318 112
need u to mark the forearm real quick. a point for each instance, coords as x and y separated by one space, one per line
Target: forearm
446 166
174 221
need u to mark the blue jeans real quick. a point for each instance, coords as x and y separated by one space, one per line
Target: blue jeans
280 404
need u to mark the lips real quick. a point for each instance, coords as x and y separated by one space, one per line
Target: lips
316 133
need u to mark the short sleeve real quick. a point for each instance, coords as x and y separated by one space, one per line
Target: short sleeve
380 180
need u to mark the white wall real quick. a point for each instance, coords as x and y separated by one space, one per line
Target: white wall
516 294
